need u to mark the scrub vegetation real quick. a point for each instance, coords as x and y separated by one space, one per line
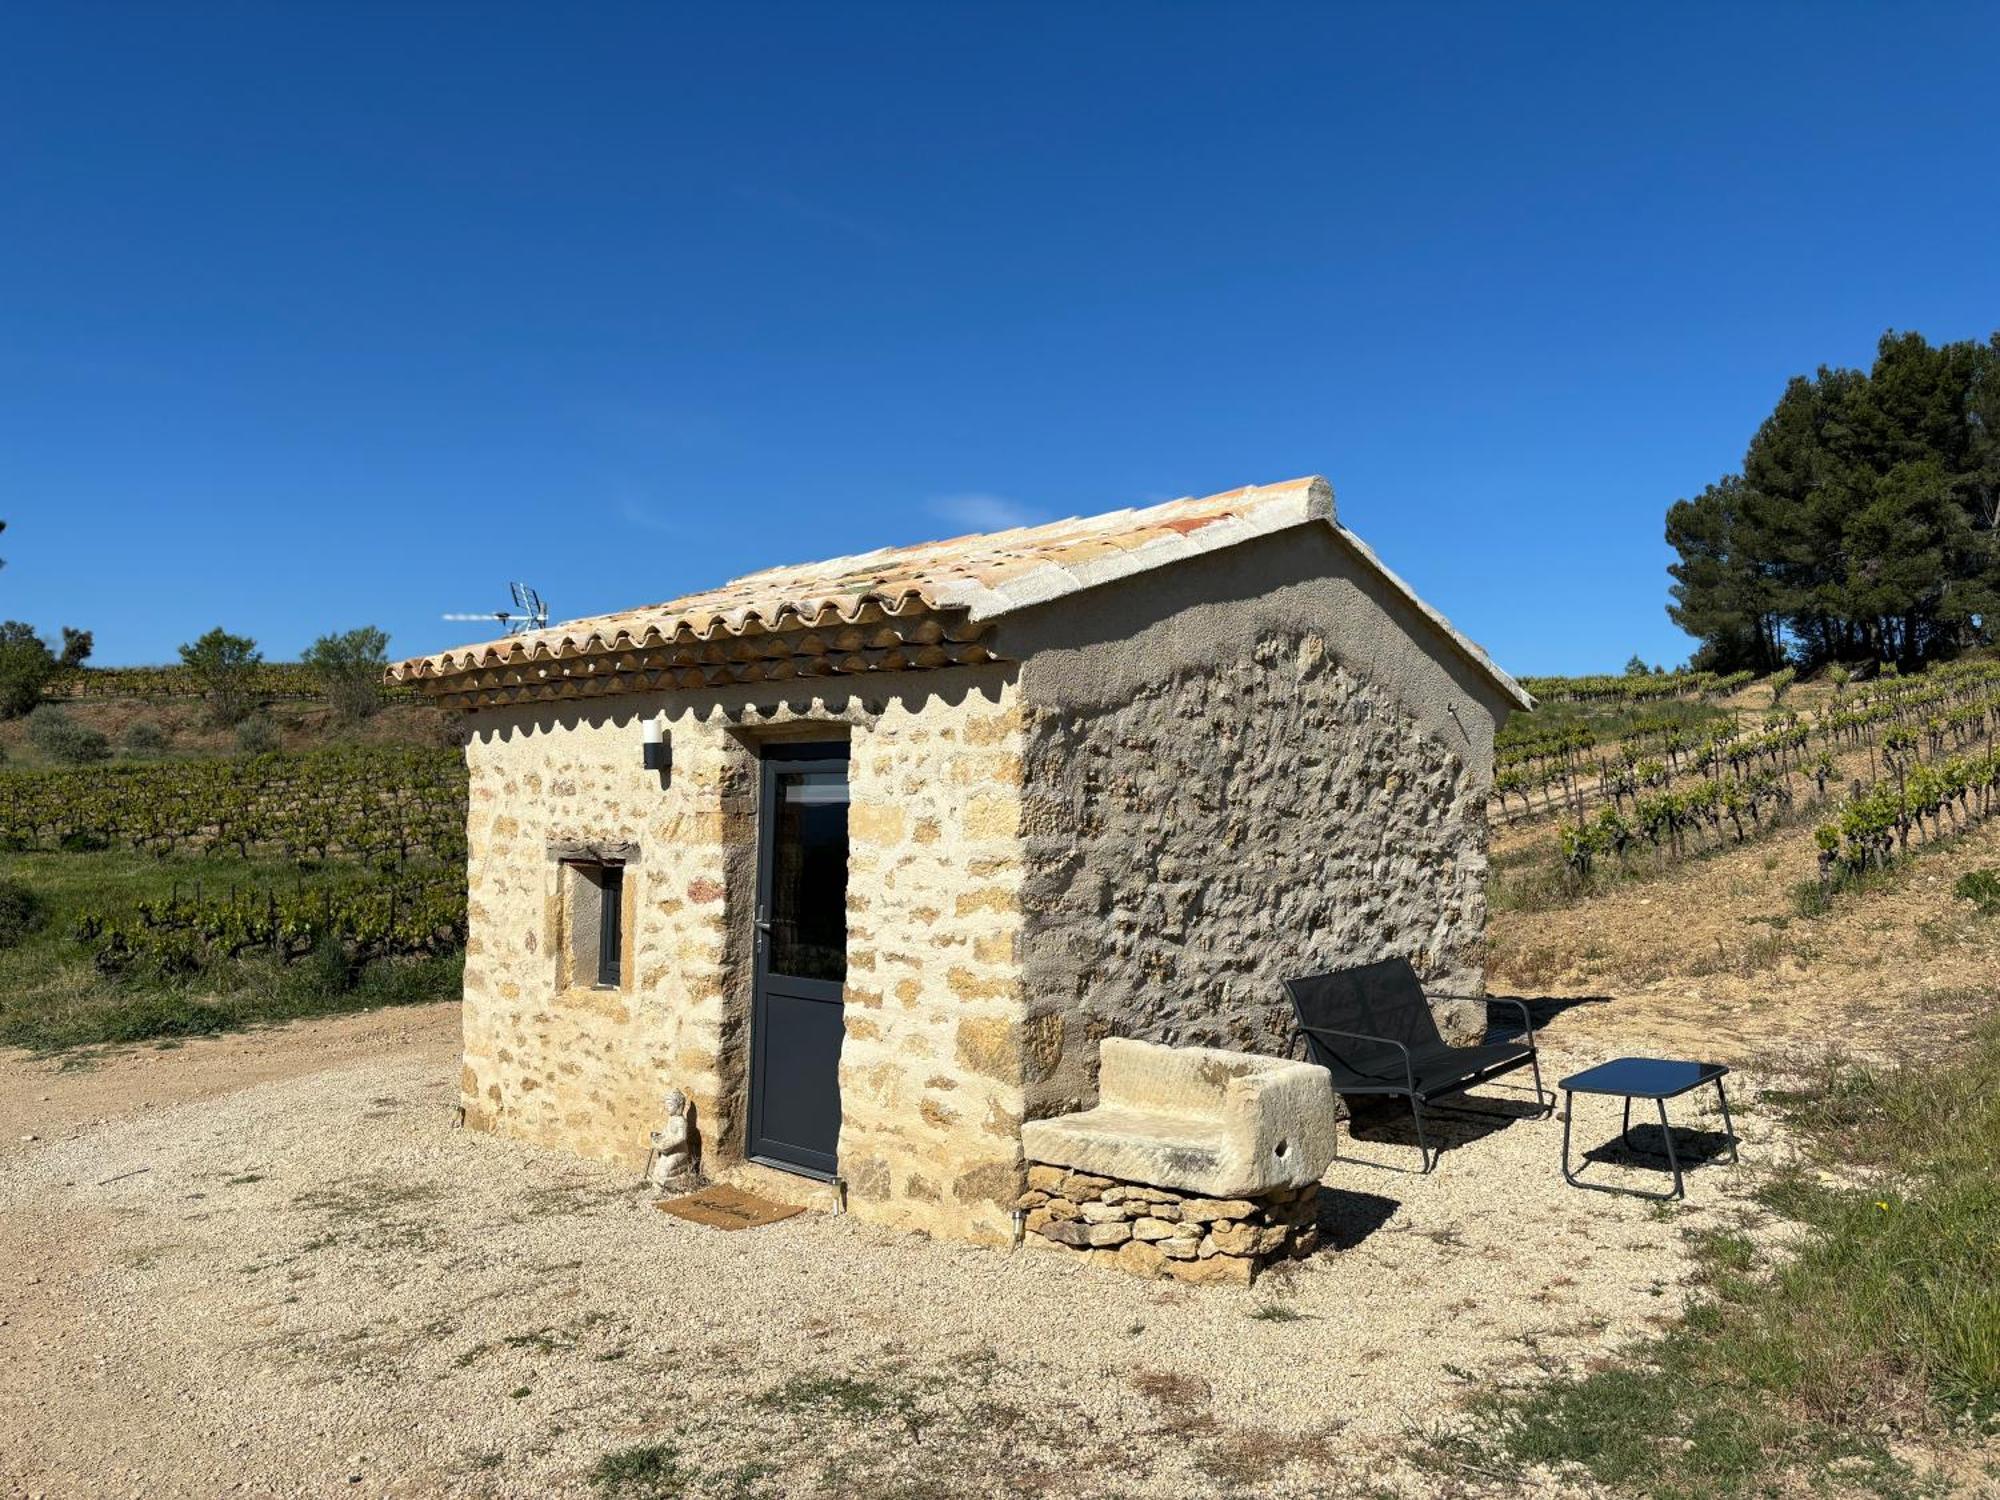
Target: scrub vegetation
1813 1370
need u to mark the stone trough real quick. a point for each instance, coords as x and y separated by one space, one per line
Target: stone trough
1196 1163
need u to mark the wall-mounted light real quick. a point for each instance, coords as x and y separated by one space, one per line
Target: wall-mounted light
658 749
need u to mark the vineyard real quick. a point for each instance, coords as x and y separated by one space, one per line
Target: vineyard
264 680
204 893
365 804
1898 760
190 932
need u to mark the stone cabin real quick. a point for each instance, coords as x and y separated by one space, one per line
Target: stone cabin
867 856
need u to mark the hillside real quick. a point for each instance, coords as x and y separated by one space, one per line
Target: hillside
177 877
1733 942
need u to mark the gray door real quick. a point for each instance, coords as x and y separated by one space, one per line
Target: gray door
795 1019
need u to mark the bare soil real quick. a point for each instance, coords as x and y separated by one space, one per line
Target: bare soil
1719 962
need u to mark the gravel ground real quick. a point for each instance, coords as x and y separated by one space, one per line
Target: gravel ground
314 1285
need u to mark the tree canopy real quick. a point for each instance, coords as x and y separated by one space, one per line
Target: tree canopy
351 663
1863 522
222 662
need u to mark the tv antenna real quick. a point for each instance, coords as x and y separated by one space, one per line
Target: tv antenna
530 612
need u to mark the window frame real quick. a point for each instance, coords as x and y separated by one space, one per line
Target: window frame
610 885
590 941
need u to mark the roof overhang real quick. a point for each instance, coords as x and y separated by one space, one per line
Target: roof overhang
898 636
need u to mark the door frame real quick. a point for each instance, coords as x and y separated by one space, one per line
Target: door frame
775 759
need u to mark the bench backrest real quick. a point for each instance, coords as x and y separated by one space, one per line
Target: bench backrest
1382 999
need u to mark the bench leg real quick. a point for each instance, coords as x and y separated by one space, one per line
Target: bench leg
1424 1153
1544 1097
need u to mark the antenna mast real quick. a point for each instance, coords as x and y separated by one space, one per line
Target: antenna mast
530 612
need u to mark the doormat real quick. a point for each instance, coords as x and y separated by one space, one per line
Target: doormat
725 1207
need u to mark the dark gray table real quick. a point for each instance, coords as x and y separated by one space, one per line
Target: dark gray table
1655 1078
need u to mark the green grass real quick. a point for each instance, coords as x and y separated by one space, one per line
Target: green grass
1884 1325
1278 1312
837 1395
53 998
650 1471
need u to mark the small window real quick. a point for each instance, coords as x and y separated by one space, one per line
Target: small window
596 911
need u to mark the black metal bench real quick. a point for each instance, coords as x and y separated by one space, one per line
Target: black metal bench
1371 1027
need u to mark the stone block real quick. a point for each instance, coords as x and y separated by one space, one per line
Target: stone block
1197 1120
1141 1258
990 1046
1234 1239
1220 1270
1072 1232
1077 1186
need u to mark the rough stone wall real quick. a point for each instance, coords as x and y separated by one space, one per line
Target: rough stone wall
931 1071
565 1064
931 1064
1226 826
1151 1231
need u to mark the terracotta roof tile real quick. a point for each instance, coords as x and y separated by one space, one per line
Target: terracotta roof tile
968 580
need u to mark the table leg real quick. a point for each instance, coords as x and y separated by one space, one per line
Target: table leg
1673 1157
1625 1127
1569 1111
1728 1125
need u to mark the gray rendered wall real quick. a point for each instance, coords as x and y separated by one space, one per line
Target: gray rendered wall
1251 765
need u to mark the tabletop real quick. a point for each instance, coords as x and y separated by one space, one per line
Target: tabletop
1643 1077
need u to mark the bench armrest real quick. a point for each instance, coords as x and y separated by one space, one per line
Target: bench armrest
1409 1073
1527 1021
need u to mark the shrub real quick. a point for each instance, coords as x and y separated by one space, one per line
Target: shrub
76 647
145 737
60 737
350 666
327 972
26 665
257 735
20 912
1981 888
223 663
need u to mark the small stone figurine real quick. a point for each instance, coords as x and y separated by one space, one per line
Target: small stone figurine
673 1147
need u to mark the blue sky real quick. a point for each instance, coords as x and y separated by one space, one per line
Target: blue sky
315 316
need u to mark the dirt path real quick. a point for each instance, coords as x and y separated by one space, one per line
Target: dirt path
55 1098
79 1413
310 1284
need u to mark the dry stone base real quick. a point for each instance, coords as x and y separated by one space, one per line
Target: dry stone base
1158 1232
